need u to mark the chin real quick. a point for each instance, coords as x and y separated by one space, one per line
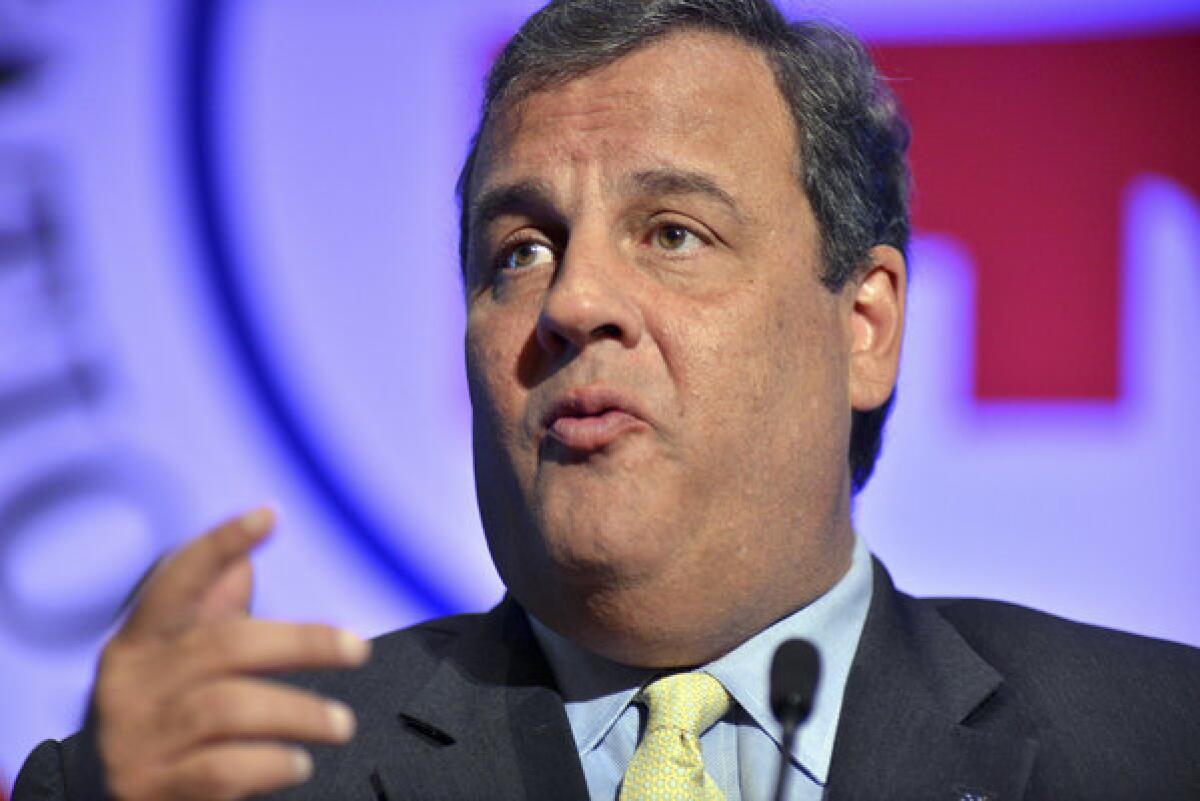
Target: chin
566 554
598 585
606 541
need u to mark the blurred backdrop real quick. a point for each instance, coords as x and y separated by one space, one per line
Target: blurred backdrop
228 275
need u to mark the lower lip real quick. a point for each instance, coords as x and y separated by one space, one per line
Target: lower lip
593 432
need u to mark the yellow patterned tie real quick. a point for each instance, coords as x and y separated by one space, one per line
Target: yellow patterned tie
667 764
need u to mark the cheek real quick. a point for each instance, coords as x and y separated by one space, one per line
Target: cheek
495 395
714 356
733 350
766 368
497 402
810 369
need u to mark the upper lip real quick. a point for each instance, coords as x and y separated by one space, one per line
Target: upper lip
592 400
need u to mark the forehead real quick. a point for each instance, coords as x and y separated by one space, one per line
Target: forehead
701 100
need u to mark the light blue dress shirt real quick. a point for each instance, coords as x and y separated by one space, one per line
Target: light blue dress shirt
741 752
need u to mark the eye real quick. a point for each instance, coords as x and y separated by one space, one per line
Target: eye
525 254
676 238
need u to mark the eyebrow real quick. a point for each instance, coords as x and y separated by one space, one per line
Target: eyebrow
671 181
527 197
534 198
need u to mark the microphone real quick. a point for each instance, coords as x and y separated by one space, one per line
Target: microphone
794 674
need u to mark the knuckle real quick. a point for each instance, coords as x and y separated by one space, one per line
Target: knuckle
207 713
194 643
235 632
222 709
204 643
199 638
183 717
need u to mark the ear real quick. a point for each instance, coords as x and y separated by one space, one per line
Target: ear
876 327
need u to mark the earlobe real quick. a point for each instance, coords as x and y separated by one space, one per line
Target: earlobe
876 327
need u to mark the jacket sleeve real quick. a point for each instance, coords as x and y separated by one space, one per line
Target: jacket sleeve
66 771
41 777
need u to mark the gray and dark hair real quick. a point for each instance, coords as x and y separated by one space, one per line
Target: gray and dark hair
852 135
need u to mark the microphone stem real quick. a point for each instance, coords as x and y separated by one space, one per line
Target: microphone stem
790 724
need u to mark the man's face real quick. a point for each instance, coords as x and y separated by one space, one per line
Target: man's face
658 378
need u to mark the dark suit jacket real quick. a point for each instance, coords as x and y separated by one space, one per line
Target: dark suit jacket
947 699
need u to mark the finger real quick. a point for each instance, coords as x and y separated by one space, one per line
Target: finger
246 708
247 645
174 591
236 770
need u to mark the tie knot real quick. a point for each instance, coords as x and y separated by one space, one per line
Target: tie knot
686 702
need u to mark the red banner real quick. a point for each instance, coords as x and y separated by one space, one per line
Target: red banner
1022 152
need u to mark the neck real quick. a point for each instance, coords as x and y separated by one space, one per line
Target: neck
700 621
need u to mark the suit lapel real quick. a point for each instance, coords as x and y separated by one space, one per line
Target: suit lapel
487 724
905 729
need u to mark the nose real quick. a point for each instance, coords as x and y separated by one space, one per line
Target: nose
590 300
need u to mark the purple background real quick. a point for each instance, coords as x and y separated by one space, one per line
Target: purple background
130 419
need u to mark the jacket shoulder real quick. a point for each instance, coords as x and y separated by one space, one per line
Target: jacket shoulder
1102 702
1016 638
42 776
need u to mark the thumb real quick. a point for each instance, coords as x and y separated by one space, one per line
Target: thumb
211 573
229 594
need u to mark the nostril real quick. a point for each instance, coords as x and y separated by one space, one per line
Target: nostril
607 331
550 336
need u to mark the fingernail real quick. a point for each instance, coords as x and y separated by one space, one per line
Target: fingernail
341 720
257 521
353 647
302 764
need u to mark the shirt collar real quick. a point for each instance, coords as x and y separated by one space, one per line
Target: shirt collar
596 690
833 623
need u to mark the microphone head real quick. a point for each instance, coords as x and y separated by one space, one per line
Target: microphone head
794 674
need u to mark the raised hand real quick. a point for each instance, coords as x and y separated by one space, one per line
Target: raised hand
182 708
